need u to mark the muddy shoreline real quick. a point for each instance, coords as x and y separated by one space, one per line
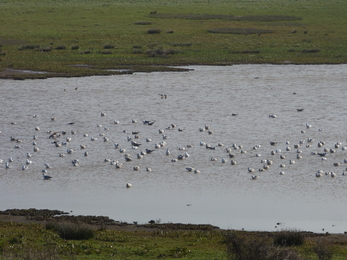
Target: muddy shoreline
42 216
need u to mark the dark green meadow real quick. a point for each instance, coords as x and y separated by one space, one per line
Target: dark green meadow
59 36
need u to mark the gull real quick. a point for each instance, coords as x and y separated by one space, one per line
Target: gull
119 165
46 177
250 169
8 166
148 169
136 168
189 169
180 157
128 185
10 159
135 143
48 166
28 161
24 167
75 162
163 96
167 151
103 114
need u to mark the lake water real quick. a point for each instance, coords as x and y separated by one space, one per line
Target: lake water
222 194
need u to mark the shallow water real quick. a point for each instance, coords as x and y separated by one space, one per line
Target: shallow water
222 194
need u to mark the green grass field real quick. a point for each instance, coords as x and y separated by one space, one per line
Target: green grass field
55 36
39 241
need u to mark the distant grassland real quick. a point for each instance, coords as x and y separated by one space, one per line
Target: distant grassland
59 36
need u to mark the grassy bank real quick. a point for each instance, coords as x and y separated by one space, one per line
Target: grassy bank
65 240
80 37
53 234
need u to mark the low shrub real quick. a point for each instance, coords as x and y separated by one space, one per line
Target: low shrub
109 46
161 52
246 51
247 246
60 47
243 247
46 49
75 47
289 238
71 231
137 51
105 52
153 31
86 52
2 53
187 44
310 50
29 47
143 23
324 250
239 30
170 31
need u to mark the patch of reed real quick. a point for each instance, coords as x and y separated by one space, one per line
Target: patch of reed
71 231
289 238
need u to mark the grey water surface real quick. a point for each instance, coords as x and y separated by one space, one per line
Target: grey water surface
245 106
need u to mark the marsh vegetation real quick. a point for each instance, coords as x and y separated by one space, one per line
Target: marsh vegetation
44 35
